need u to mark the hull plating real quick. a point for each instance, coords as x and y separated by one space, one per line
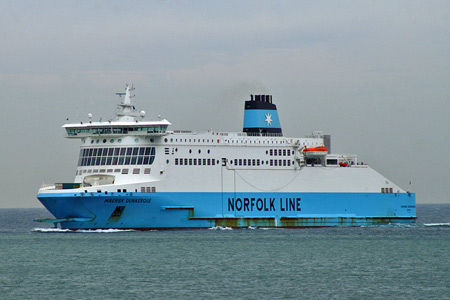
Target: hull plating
205 210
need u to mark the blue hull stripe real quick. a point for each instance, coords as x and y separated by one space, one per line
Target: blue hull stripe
202 210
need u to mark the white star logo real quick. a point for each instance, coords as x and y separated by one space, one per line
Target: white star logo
268 119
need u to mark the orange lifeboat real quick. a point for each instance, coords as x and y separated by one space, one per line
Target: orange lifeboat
315 151
320 148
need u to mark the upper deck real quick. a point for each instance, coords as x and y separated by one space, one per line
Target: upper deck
127 123
112 128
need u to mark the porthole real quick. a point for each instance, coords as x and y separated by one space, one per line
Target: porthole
111 141
199 151
208 151
92 141
84 141
97 141
152 140
119 140
104 141
190 151
171 140
167 161
136 140
165 140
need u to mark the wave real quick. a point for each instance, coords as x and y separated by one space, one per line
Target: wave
58 230
220 228
437 224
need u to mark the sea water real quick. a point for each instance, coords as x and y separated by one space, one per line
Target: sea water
376 262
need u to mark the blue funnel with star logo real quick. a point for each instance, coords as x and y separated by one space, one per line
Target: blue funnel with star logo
261 116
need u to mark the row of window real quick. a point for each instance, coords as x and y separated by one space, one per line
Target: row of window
257 162
239 141
117 130
118 151
148 189
387 190
122 171
236 162
116 156
279 152
116 161
195 161
119 209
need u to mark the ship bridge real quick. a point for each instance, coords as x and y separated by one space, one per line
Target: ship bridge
127 122
116 129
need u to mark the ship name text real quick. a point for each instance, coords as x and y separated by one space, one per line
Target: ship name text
264 204
127 200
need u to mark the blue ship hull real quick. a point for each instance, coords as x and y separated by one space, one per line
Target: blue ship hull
146 211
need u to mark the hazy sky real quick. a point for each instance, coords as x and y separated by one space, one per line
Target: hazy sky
373 74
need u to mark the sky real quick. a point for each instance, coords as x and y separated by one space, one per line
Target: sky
375 75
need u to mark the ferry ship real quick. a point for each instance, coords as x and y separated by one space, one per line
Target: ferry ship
138 174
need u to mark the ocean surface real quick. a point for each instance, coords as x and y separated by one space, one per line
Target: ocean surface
379 262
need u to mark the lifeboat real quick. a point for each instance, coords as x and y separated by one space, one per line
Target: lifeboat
315 151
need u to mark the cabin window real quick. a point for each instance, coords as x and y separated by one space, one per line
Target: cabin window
332 162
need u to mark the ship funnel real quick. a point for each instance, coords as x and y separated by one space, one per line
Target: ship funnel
261 116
